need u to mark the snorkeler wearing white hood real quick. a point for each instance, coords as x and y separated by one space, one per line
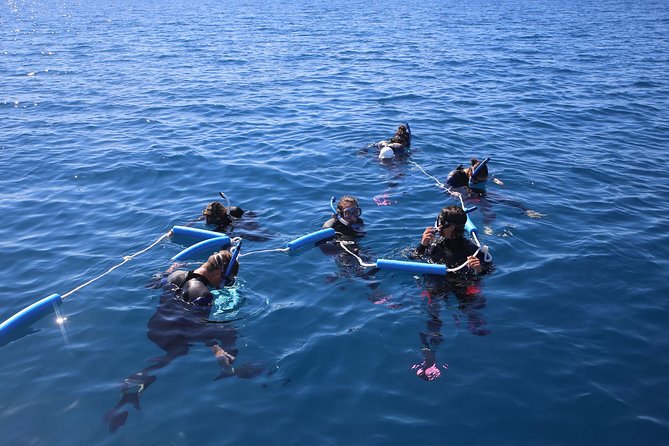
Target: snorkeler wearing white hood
397 145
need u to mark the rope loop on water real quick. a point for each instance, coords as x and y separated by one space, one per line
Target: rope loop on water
343 244
483 249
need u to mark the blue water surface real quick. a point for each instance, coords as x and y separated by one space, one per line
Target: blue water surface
119 120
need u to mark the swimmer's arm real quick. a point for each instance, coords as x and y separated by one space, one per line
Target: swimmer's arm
426 240
174 267
418 252
328 224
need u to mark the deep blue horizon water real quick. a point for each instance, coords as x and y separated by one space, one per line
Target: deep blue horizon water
119 120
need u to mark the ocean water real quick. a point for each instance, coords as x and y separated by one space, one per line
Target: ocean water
119 120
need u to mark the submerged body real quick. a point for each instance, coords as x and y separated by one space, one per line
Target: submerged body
180 322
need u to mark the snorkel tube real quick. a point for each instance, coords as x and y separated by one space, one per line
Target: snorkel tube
337 215
232 211
406 124
227 200
470 227
481 184
333 201
233 259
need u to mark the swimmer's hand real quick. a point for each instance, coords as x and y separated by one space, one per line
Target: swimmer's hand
428 236
173 267
474 264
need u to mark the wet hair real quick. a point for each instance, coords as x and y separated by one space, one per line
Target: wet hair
482 174
216 214
346 202
455 215
220 261
402 135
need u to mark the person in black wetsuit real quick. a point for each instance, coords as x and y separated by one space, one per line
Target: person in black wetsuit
475 190
181 321
193 286
465 177
349 229
348 226
228 219
452 250
346 221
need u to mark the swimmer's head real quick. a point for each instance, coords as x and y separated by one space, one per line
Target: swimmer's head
348 209
402 135
403 129
218 263
216 214
386 153
452 216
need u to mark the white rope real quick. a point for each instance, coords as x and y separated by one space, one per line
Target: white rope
487 257
125 260
458 268
343 244
483 249
439 183
265 250
458 195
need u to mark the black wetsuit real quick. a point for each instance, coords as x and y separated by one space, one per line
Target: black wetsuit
191 287
464 284
344 233
343 229
452 253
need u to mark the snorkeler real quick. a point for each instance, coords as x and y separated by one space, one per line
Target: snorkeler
397 145
452 249
228 219
181 321
474 177
221 216
349 228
